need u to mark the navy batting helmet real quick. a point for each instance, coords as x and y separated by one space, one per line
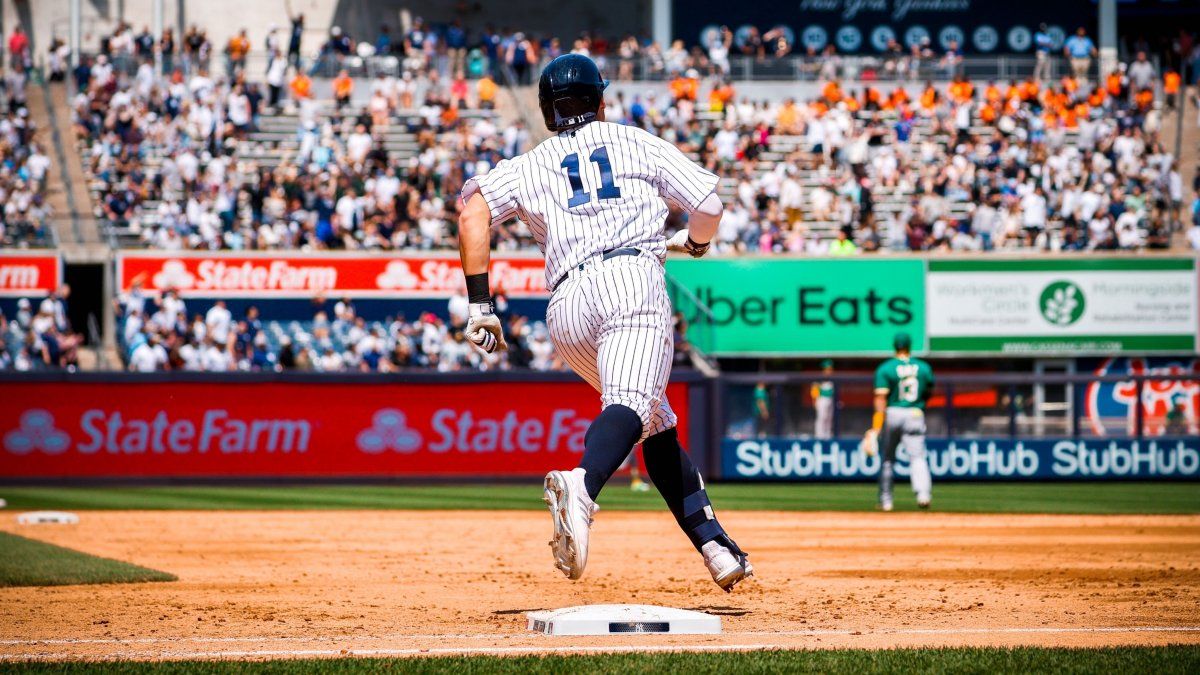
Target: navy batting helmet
570 92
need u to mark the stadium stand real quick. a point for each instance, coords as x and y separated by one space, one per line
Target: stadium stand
365 144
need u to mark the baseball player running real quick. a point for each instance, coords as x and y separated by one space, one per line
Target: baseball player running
903 384
822 396
595 197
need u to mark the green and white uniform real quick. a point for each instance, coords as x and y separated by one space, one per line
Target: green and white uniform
908 383
824 408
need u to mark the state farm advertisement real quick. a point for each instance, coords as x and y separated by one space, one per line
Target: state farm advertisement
29 274
307 275
198 430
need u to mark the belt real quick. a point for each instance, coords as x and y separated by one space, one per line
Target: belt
607 255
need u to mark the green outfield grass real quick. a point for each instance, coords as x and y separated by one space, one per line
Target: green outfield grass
953 497
1159 660
25 562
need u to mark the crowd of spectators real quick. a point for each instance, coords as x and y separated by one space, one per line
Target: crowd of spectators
1054 165
176 163
157 333
42 339
24 214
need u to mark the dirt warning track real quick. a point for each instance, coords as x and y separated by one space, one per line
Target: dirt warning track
328 583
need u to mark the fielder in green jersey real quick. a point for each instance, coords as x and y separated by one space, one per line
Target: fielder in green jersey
903 384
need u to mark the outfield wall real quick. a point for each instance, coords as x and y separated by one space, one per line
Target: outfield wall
256 426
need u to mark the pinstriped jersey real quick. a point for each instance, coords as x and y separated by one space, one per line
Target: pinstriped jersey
599 187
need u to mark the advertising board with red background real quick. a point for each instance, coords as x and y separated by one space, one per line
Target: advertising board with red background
296 429
29 273
308 274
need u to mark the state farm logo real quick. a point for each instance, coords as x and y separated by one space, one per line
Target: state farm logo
445 276
472 431
123 433
397 276
211 274
174 274
388 431
36 432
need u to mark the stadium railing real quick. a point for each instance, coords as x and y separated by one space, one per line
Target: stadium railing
980 405
1000 67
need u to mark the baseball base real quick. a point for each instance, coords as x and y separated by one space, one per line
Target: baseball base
611 619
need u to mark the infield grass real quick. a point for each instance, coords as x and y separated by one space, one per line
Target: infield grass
27 562
1088 498
1160 660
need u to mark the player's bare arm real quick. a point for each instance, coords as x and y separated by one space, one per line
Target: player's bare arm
702 227
475 251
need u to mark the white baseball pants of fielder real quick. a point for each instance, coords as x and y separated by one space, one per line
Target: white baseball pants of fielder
611 322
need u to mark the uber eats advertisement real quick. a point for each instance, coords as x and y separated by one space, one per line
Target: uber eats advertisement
777 307
1052 306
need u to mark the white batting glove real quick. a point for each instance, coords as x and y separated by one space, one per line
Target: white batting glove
870 443
483 328
682 243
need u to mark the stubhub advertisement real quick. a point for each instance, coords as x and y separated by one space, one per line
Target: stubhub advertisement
787 459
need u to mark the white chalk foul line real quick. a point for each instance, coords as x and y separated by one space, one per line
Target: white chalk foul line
433 651
494 636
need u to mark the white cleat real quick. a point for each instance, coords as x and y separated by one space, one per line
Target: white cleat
572 510
923 502
727 568
885 505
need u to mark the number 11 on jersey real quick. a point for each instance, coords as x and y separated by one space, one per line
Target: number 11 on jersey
607 189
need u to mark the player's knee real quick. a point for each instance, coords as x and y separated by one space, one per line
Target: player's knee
661 442
616 416
642 406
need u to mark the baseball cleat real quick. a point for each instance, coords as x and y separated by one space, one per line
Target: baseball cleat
885 505
639 485
923 502
571 509
726 567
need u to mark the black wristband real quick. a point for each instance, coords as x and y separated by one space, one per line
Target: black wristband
478 289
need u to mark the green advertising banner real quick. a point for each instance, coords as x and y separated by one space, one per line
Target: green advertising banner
798 306
1068 306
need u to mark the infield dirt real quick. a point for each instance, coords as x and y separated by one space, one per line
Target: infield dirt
278 584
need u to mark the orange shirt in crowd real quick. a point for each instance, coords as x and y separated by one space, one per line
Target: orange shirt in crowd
929 98
788 117
988 113
301 85
719 97
486 89
685 88
899 97
1070 84
992 94
1113 84
238 47
831 92
342 86
961 91
1171 82
1096 99
1144 99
